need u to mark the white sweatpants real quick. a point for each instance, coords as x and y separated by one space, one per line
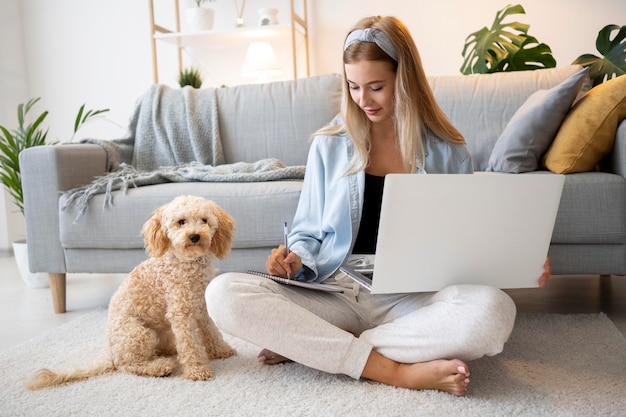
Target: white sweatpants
335 332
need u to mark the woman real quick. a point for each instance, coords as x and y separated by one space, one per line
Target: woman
389 123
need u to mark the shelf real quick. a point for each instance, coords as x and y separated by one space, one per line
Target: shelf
217 38
289 36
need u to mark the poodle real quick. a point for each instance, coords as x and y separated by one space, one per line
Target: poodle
158 316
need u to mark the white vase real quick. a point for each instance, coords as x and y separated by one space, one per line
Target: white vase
31 279
199 18
268 16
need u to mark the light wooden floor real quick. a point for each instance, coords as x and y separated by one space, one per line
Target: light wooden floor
26 313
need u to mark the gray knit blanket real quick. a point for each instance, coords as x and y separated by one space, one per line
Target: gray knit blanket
128 177
169 126
173 136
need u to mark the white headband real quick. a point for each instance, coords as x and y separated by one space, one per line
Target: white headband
373 36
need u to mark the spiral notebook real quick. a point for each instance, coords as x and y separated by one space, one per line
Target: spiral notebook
310 285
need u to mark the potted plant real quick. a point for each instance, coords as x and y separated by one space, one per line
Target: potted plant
613 62
191 77
200 18
12 142
505 47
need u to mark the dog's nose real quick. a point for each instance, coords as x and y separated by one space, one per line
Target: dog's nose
194 238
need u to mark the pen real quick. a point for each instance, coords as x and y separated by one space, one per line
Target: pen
285 232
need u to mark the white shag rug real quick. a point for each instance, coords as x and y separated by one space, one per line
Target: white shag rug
553 365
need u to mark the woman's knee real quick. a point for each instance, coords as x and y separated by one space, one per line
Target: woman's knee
223 299
489 319
497 319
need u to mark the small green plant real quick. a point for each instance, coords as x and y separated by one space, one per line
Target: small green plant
613 62
11 144
199 3
191 77
505 47
27 136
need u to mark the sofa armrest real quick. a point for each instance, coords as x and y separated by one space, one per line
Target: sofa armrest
616 160
48 171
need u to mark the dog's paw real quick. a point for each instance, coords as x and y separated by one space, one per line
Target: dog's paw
198 373
159 367
221 352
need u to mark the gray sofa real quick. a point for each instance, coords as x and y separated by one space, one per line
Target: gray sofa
275 121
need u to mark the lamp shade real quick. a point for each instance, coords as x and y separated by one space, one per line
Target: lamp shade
260 62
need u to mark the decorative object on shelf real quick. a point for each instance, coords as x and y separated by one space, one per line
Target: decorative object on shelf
240 12
505 47
200 18
11 144
191 77
268 16
613 62
260 62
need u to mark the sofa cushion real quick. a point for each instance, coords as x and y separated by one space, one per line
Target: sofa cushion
533 127
481 105
276 120
259 210
591 209
588 132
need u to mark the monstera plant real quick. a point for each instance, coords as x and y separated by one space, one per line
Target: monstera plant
505 47
613 62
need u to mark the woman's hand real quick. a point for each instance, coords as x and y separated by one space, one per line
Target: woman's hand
283 266
547 271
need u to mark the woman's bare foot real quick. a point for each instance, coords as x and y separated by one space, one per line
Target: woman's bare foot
451 376
270 358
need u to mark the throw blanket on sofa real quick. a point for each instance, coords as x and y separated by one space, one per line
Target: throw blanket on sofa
173 136
127 176
168 127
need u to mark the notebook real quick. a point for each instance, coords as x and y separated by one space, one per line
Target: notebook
438 230
310 285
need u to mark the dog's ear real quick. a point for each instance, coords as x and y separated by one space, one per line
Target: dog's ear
223 238
155 236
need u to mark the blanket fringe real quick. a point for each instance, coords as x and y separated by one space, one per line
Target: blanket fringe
128 177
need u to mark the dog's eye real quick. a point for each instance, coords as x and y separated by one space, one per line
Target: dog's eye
182 222
204 221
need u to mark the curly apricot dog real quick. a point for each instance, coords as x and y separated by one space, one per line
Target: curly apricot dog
158 316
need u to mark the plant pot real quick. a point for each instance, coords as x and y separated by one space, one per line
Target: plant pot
199 18
31 279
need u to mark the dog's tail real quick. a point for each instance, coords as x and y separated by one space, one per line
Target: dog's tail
47 378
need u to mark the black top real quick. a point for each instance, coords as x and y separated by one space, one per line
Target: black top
368 229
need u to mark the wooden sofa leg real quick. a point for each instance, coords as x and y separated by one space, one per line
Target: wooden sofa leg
57 286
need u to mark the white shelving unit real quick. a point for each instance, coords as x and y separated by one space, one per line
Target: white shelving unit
294 33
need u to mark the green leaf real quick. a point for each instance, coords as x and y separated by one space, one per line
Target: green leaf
613 63
504 47
82 119
78 117
530 55
12 143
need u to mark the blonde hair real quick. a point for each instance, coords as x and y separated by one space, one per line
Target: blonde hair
415 109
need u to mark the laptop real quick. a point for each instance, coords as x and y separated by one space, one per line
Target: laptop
438 230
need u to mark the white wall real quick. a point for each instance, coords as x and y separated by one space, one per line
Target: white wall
13 88
74 51
440 27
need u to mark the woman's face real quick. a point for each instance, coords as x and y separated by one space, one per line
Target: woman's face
371 85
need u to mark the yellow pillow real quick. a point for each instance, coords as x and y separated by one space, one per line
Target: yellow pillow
588 132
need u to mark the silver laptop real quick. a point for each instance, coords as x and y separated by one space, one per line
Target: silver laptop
438 230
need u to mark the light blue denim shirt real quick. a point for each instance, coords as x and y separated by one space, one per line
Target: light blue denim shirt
327 219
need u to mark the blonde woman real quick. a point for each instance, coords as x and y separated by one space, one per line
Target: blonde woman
389 123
